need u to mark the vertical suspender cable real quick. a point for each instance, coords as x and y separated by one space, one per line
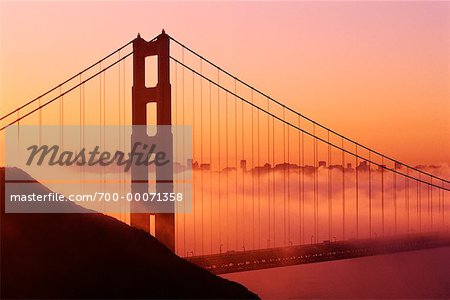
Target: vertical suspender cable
370 195
287 165
101 114
419 192
119 93
243 174
237 166
201 156
430 208
123 132
177 223
394 191
253 182
314 182
193 149
431 201
417 206
343 191
357 189
303 187
273 183
317 188
316 207
210 170
443 206
300 227
84 133
227 227
330 207
104 125
18 127
271 165
80 108
190 167
382 195
259 177
407 198
40 123
284 178
218 149
60 119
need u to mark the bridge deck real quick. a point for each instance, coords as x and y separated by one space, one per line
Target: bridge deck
294 255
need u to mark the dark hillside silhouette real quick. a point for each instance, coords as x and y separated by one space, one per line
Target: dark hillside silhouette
95 256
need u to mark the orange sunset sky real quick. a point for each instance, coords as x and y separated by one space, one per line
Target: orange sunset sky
378 72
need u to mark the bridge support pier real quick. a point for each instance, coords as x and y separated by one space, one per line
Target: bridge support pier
141 96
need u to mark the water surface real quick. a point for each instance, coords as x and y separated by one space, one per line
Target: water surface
416 274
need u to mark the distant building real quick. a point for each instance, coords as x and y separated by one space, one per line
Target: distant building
363 166
348 168
335 167
189 162
309 170
283 166
265 168
205 167
243 165
322 163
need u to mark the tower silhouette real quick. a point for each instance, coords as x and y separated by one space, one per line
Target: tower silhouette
141 96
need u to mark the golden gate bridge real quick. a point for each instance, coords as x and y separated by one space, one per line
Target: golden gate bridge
271 186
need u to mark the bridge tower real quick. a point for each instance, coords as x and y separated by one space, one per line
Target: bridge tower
141 96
